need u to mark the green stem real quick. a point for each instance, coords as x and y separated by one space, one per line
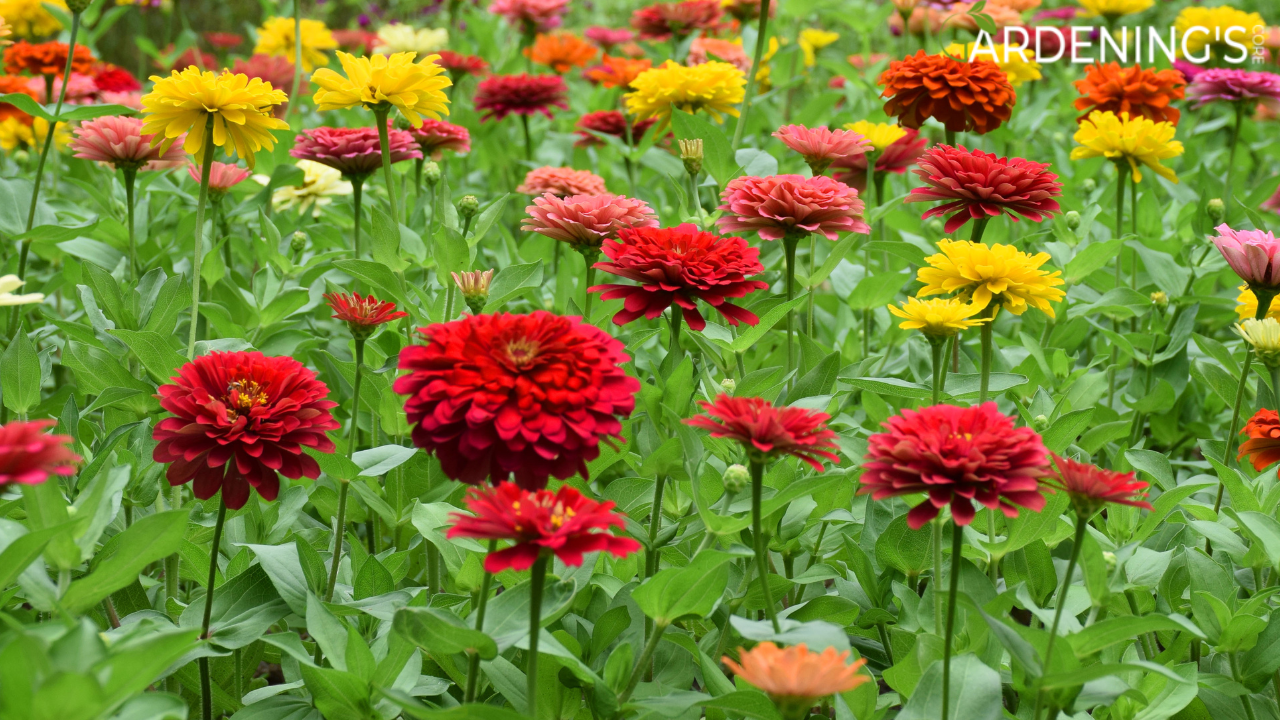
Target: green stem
957 543
357 195
473 662
130 176
938 524
761 545
206 689
380 117
1120 176
984 333
950 135
646 657
528 139
1264 305
762 33
979 228
536 583
952 352
789 243
938 346
676 319
340 530
1235 675
206 166
589 256
297 58
651 559
1231 159
1082 524
1133 230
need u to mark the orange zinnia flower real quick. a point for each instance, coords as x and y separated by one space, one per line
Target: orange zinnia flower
794 677
1263 445
1135 90
561 51
963 96
617 71
14 84
46 59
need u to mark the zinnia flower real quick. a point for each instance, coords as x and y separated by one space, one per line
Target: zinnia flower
29 133
1139 91
617 71
956 456
963 96
272 69
561 51
1112 9
113 78
795 678
1135 140
436 136
1263 446
812 40
705 49
224 40
14 84
960 16
275 37
354 152
1235 85
474 286
714 87
399 37
531 16
980 185
1252 254
607 38
222 177
609 122
530 395
1214 24
562 182
414 88
767 431
121 142
938 317
821 146
680 265
1091 487
984 274
362 314
586 221
776 206
238 107
9 283
359 41
524 94
900 155
241 419
320 185
1247 305
562 523
29 18
45 59
1019 66
81 89
660 21
458 65
29 455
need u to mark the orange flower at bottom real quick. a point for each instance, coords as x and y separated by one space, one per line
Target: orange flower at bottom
1263 445
561 51
795 678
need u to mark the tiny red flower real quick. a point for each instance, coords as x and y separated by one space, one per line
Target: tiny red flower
562 523
979 185
459 65
362 314
1090 487
768 431
680 265
241 419
113 78
1263 446
502 95
29 455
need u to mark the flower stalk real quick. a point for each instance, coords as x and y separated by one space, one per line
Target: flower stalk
380 114
482 602
1082 525
206 689
760 543
357 195
353 433
536 583
762 38
1265 297
789 243
206 166
957 544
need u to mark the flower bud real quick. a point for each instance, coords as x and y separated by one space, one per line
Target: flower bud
1073 219
1110 559
935 226
468 206
1160 299
736 478
474 285
691 154
78 6
1059 138
21 156
1216 209
1040 423
431 173
1088 186
402 123
298 242
729 385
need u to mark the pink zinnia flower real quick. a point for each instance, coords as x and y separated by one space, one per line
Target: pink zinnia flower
524 94
121 142
531 15
562 181
29 455
355 152
436 136
1272 204
586 221
80 91
606 38
1233 85
821 146
222 176
127 99
1252 254
979 185
782 205
1189 70
275 69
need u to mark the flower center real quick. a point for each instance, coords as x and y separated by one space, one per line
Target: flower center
522 351
242 396
559 514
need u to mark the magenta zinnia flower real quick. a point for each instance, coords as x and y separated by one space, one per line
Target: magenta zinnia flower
355 152
586 221
979 185
436 136
1234 85
502 95
121 142
776 206
29 455
531 15
822 146
1253 256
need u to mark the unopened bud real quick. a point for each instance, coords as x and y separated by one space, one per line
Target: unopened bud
474 285
1073 219
298 242
1160 299
402 123
78 6
431 173
736 478
935 226
1059 138
1040 423
1089 185
21 156
468 206
729 385
1216 209
1109 558
691 154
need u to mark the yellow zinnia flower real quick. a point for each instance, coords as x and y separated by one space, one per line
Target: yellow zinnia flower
416 89
275 37
716 87
1114 8
29 18
812 40
240 109
15 134
1264 336
999 273
1247 305
938 317
1020 68
1138 141
880 135
1217 20
320 185
398 37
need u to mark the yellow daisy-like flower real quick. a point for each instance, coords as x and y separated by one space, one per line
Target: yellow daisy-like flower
416 89
1138 141
320 185
880 135
715 87
1247 305
1020 67
1217 21
984 274
938 317
812 40
18 135
5 32
1114 8
1264 336
29 18
240 109
398 37
275 37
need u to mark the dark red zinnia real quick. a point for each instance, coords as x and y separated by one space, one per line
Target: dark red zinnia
533 395
897 158
113 78
1090 487
767 431
956 455
241 419
502 95
979 185
362 314
609 122
29 455
680 265
224 40
563 523
1263 446
458 65
658 22
963 96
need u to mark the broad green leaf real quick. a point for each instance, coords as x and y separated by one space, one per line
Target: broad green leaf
442 633
146 541
20 381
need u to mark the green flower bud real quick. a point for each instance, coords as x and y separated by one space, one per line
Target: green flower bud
1040 423
402 123
431 173
1073 219
691 154
468 206
1088 186
298 242
78 6
1216 209
729 385
736 478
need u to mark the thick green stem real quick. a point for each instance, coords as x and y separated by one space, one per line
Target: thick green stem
1227 192
789 243
380 117
651 559
1120 176
646 657
536 583
957 544
473 662
938 524
979 229
761 543
676 318
589 256
197 255
1082 525
938 345
357 195
297 58
206 689
528 139
812 249
984 333
1235 675
130 176
762 37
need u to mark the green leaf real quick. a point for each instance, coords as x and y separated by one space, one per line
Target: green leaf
1093 257
338 695
1154 464
1066 429
818 381
442 633
386 241
876 291
893 387
20 380
512 281
153 351
1164 505
904 549
389 285
19 554
487 219
691 590
146 541
1105 633
975 693
752 335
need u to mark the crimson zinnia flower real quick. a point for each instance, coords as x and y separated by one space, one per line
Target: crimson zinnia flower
767 431
778 205
956 455
355 152
1135 90
113 78
1090 487
897 158
523 94
241 419
362 314
963 96
436 136
562 523
658 22
224 40
979 185
458 65
533 395
29 455
680 265
1263 446
609 122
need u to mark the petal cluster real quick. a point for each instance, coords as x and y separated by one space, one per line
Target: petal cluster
561 51
29 455
1252 254
355 152
1139 91
502 95
119 140
586 221
561 182
978 185
897 156
276 37
983 274
1263 446
938 317
715 88
1235 85
436 136
48 58
1091 487
1124 138
822 146
795 677
963 96
767 431
609 122
660 21
531 16
240 109
414 88
776 206
362 313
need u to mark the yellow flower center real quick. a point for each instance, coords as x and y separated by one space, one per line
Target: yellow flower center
242 396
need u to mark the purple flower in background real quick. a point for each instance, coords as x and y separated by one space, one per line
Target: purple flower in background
1233 85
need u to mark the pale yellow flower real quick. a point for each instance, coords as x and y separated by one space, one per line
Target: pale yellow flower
1137 141
1114 8
1020 66
880 135
416 89
16 134
812 40
275 37
321 184
713 87
938 317
398 37
1264 336
29 18
9 283
983 274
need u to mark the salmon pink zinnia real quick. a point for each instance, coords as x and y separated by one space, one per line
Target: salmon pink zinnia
822 146
121 142
561 182
1252 254
436 136
586 221
781 205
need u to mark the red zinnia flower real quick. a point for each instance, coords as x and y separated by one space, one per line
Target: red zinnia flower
963 96
457 64
1090 487
524 94
355 152
767 431
29 455
779 205
224 40
609 122
897 158
680 265
533 395
113 78
362 314
241 419
956 455
1263 445
1135 90
45 59
979 185
561 523
436 136
660 21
